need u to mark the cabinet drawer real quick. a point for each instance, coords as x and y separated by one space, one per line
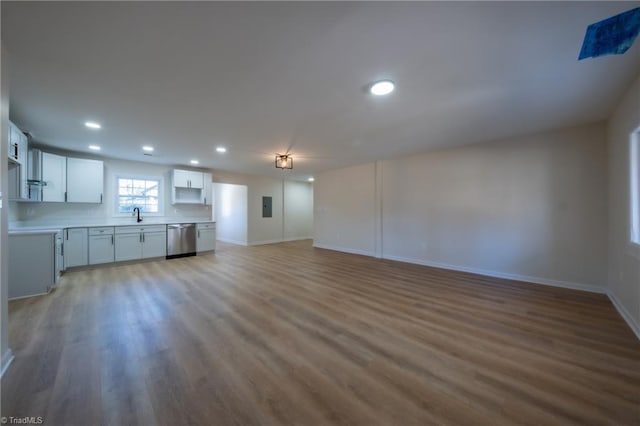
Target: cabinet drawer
208 225
138 229
107 230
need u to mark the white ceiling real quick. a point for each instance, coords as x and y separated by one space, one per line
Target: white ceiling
265 78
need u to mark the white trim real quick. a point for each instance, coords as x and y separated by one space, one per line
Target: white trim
344 249
635 327
276 241
7 359
516 277
226 240
30 295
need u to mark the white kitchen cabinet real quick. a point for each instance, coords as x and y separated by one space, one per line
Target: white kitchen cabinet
75 247
128 247
187 179
154 244
18 145
205 237
85 180
101 245
207 189
140 242
31 264
54 176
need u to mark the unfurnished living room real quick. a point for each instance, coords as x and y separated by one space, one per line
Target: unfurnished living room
320 213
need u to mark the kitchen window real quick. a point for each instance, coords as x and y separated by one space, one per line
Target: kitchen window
136 191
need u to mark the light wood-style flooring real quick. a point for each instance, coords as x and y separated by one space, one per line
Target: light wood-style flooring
289 334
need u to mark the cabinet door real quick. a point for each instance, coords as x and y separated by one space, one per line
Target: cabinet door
54 174
207 189
195 180
75 247
181 178
128 246
206 240
85 180
154 244
23 151
14 142
101 249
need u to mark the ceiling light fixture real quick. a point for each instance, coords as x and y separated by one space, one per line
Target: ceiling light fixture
221 149
95 147
382 87
311 179
194 162
147 148
93 125
284 162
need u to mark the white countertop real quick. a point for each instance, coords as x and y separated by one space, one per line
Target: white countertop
55 226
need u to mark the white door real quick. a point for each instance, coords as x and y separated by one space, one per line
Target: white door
128 246
75 247
101 249
54 174
85 180
154 244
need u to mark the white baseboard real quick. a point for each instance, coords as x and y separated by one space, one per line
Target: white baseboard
635 327
516 277
225 240
276 241
7 358
344 249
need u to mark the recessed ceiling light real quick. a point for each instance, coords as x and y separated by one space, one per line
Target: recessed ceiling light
382 87
311 179
221 149
94 147
195 162
147 148
92 125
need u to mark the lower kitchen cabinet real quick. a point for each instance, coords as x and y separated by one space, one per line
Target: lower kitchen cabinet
75 247
140 242
205 237
32 268
101 245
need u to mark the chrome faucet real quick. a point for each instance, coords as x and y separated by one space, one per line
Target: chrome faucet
138 210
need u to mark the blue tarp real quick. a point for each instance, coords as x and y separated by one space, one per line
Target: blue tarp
612 36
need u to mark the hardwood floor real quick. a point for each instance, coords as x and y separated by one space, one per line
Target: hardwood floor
288 334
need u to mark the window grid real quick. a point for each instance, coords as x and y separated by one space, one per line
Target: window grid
137 192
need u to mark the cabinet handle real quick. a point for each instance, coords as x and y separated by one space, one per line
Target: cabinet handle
140 237
67 231
112 240
65 197
62 250
100 198
143 237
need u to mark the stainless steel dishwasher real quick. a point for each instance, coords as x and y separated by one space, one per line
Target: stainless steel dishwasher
181 240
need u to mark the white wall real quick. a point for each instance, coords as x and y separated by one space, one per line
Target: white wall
344 209
624 258
298 210
5 351
292 207
231 212
51 212
531 208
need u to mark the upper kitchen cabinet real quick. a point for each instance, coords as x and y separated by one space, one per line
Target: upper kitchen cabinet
18 145
187 179
18 188
54 177
207 189
85 180
187 187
